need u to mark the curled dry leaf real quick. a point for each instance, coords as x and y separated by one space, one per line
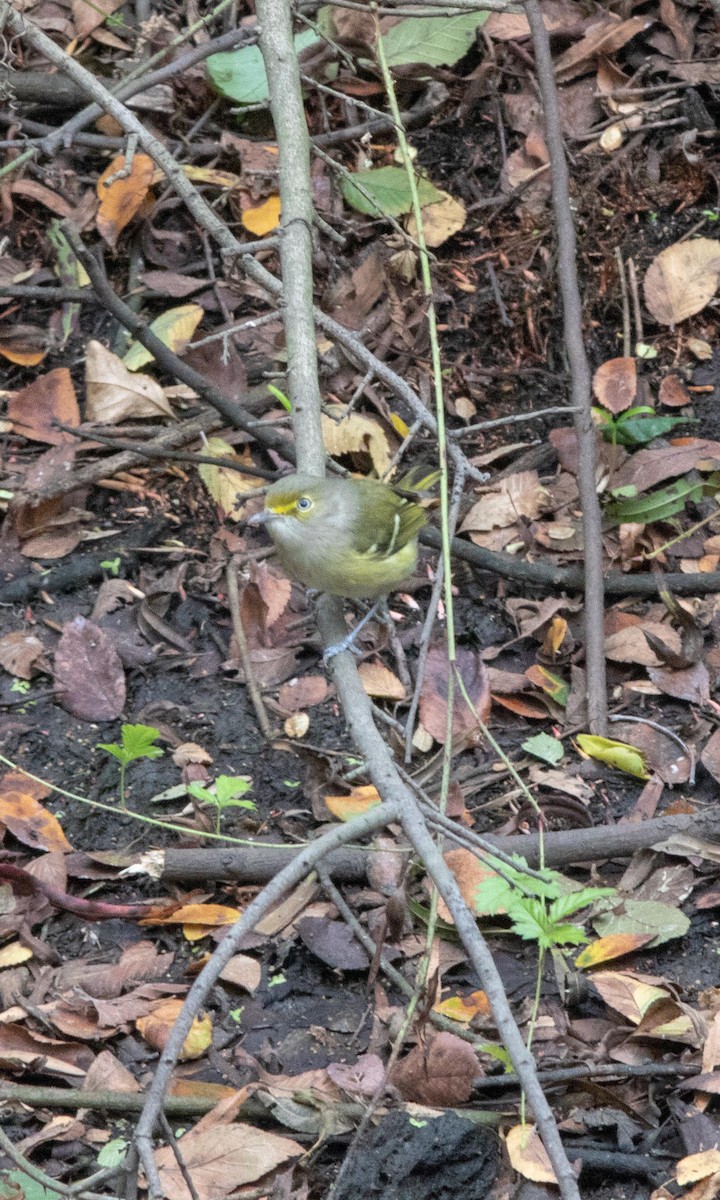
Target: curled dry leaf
27 820
673 393
682 279
223 483
441 220
158 1025
19 652
297 725
221 1161
355 434
190 752
380 682
113 393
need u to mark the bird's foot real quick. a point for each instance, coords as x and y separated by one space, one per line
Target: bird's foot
348 642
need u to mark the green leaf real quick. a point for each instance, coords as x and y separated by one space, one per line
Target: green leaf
637 431
16 1184
137 742
665 921
112 1153
240 74
544 747
389 190
228 787
656 506
435 41
616 754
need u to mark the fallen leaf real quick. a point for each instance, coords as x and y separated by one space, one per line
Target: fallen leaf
220 1162
380 682
224 483
174 328
440 220
527 1154
243 971
19 652
355 434
615 384
682 279
113 393
158 1025
434 695
49 398
27 820
89 676
440 1073
123 198
263 219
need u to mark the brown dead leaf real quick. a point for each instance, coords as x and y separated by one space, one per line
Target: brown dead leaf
434 695
244 972
113 393
440 1073
89 675
691 685
19 652
629 645
107 1072
673 393
615 384
49 398
519 495
710 757
441 220
682 279
469 873
123 198
303 692
607 35
220 1162
647 468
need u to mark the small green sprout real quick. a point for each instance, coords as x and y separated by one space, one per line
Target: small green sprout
223 794
137 742
112 565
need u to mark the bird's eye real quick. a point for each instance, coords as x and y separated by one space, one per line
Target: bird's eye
304 504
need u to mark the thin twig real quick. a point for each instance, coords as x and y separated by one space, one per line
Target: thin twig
579 374
231 578
627 335
637 307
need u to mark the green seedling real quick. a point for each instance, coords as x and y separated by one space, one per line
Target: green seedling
636 426
137 742
223 794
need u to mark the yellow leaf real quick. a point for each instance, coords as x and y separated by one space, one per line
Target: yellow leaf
224 484
464 1008
354 433
615 754
440 220
157 1027
264 218
13 954
174 327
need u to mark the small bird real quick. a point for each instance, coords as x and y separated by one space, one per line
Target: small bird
354 538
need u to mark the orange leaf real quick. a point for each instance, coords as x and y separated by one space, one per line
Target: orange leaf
123 198
208 915
615 945
26 818
358 801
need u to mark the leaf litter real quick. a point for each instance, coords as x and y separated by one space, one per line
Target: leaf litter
110 634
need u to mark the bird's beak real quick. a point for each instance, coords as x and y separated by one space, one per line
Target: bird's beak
261 518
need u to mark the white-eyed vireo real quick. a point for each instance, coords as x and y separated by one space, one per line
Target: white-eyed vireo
356 538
